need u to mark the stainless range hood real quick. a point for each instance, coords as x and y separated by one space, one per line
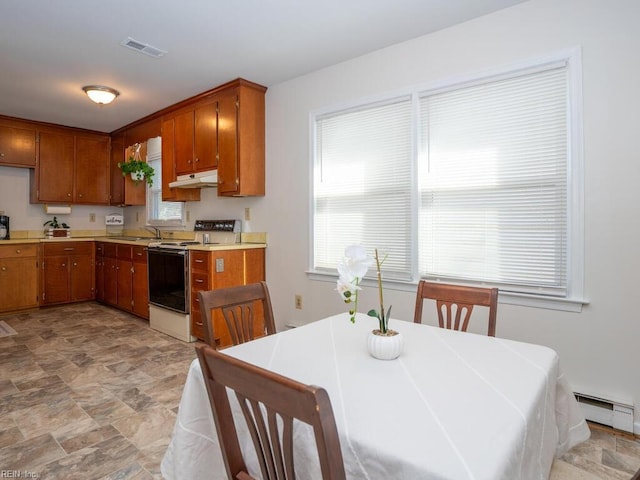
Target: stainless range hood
196 180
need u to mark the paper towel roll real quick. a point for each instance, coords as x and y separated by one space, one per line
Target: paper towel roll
57 209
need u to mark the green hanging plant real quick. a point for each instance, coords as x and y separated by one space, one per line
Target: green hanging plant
137 168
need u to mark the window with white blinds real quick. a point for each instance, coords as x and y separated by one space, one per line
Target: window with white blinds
472 183
363 171
159 212
493 183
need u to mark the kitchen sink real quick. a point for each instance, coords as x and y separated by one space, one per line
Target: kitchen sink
131 239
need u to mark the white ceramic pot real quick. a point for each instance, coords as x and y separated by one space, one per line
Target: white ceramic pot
137 176
385 346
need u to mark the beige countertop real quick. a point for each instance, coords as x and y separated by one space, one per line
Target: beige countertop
133 241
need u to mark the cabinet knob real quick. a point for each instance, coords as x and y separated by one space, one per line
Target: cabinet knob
200 324
18 250
68 194
80 195
1 154
197 159
63 265
4 269
199 280
75 264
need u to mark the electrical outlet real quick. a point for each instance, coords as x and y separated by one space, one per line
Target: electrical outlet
92 217
298 302
137 216
247 214
188 215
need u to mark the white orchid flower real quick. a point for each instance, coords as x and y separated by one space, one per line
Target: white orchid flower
357 261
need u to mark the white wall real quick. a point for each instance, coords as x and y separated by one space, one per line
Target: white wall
598 346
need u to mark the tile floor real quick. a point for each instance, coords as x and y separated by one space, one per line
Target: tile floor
88 392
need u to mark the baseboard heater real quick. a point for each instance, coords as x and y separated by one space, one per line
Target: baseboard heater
606 412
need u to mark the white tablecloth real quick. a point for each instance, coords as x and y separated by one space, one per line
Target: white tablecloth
452 406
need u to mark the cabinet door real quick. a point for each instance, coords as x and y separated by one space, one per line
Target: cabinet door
255 265
116 189
92 170
169 168
17 146
99 277
110 280
18 283
55 168
206 138
55 279
228 180
241 139
227 271
183 137
140 282
82 277
125 284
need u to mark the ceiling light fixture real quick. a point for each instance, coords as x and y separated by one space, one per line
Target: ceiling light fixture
100 95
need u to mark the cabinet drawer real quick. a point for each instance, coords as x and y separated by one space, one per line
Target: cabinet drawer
68 248
199 281
140 254
200 261
18 250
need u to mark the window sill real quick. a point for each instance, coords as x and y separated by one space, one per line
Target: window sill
509 298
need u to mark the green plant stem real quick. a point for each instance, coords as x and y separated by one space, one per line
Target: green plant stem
355 304
382 319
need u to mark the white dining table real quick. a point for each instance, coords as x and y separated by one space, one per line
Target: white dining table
453 406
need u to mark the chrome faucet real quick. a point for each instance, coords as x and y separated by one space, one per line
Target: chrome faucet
156 232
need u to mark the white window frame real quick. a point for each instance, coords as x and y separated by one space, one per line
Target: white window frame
153 190
573 300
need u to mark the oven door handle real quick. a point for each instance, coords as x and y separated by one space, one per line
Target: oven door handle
169 251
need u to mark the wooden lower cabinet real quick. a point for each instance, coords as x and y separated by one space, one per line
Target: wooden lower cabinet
220 269
18 277
68 272
125 281
140 282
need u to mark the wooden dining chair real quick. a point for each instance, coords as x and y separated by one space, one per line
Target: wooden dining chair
455 304
269 403
246 310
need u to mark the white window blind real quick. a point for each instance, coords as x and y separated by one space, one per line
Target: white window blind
362 173
159 212
493 183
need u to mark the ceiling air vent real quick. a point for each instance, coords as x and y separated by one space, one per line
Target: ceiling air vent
143 48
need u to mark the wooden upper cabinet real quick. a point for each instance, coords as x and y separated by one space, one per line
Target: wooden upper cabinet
72 168
92 170
183 143
116 196
196 139
169 167
241 140
17 144
205 137
55 172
